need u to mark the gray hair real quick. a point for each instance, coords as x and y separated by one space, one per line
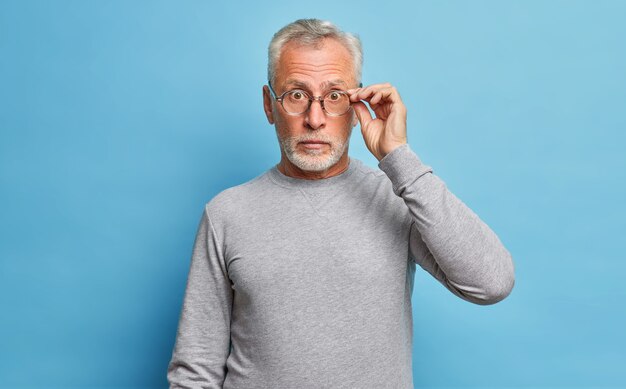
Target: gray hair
311 32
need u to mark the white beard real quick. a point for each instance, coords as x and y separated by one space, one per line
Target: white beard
314 160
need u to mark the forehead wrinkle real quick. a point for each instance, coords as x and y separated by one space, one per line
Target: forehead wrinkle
308 67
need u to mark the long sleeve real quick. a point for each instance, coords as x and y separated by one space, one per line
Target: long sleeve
447 238
203 337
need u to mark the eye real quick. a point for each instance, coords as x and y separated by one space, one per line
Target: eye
298 95
334 96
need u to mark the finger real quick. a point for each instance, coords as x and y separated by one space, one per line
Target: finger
353 93
381 95
362 93
369 92
365 90
362 113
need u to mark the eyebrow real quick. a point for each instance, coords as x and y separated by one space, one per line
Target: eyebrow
325 85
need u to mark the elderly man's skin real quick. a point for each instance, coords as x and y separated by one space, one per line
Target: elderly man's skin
315 67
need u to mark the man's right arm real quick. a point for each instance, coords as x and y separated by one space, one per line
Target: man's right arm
203 336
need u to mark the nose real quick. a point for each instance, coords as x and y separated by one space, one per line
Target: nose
315 118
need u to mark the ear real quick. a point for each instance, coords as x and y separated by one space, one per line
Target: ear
267 104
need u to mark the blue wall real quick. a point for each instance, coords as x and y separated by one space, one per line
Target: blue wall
119 120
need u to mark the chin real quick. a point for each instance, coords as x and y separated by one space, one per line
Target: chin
312 162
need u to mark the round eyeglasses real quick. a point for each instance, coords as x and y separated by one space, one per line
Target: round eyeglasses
296 101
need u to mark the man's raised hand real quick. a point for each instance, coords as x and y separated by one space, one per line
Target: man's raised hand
387 130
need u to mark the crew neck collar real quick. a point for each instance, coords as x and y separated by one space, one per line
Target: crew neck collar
293 182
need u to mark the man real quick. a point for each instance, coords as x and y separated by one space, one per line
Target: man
302 277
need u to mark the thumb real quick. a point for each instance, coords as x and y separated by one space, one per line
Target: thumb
362 113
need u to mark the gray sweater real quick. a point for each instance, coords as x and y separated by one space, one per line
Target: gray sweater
298 283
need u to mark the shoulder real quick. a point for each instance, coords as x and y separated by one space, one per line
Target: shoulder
234 199
371 179
368 172
372 185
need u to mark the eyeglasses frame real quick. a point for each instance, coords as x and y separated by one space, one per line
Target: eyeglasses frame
311 100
